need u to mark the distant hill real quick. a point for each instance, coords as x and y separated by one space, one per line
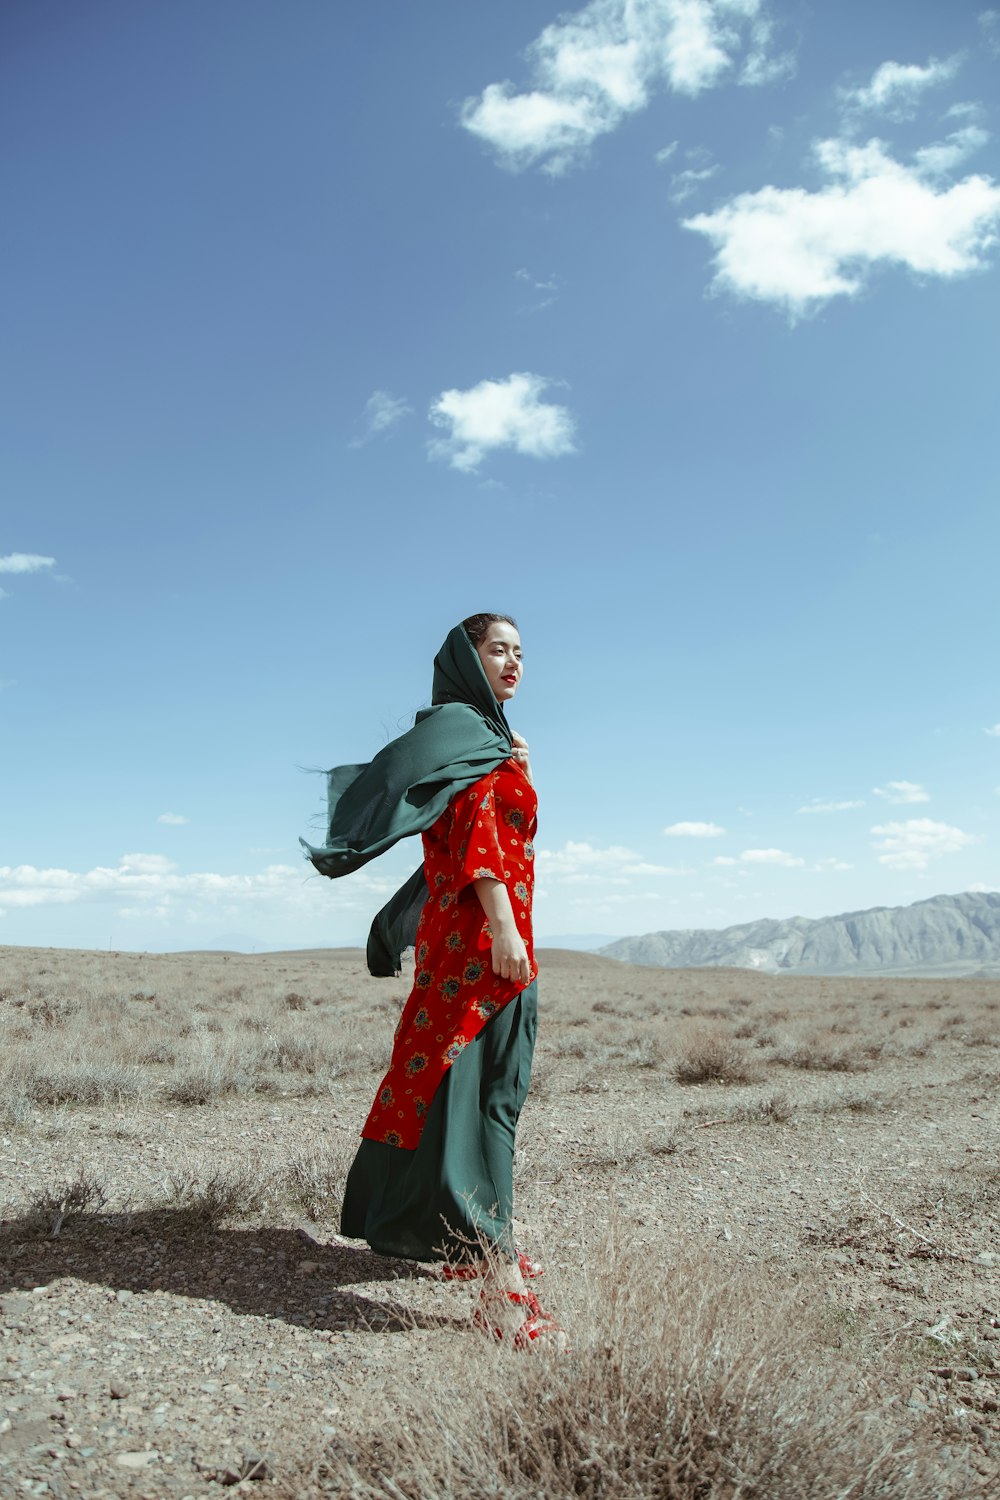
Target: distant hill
582 942
945 935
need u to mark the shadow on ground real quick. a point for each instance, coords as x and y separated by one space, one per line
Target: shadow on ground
263 1272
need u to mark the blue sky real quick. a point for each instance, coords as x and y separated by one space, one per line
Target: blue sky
669 327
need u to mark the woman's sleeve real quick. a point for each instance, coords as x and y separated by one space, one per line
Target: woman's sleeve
472 839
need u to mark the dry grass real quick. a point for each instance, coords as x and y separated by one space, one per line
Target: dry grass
720 1387
713 1058
796 1233
102 1047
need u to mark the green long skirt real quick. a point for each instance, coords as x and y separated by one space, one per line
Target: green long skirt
457 1187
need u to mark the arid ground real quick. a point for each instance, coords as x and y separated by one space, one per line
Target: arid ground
768 1209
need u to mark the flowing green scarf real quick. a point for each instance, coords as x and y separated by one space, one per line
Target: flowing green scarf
405 789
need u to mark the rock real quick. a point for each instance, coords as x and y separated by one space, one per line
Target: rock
307 1267
255 1466
118 1390
137 1460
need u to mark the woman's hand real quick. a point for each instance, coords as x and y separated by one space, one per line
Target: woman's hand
510 956
520 754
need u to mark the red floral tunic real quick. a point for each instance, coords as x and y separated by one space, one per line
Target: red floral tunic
485 830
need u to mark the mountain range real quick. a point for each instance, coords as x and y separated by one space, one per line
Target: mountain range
944 935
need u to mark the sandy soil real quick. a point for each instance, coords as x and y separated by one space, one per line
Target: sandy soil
151 1346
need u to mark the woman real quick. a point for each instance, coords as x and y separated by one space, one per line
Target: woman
433 1178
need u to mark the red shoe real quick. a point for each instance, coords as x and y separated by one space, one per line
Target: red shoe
469 1270
536 1323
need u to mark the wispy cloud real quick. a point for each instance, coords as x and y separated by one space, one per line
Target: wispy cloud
896 89
799 248
770 857
762 857
547 287
902 791
818 806
989 24
942 157
596 66
153 884
683 185
695 830
497 414
382 411
25 562
995 731
174 819
913 844
581 863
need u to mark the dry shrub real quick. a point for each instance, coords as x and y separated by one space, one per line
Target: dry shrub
83 1082
855 1103
614 1146
203 1082
776 1109
49 1211
314 1180
685 1382
712 1058
203 1202
817 1056
638 1052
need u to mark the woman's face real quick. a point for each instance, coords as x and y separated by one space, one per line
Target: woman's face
500 654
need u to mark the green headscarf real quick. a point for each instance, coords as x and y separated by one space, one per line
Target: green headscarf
459 739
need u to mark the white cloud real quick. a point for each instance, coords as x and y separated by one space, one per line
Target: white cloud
770 857
685 184
763 65
152 883
833 864
995 731
828 807
581 863
695 830
902 791
598 65
979 887
762 857
500 414
913 844
175 819
548 286
382 411
989 21
799 248
666 152
895 89
942 157
25 562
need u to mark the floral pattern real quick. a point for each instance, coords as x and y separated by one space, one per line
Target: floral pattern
486 830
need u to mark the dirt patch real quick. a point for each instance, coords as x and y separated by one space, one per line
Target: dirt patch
179 1313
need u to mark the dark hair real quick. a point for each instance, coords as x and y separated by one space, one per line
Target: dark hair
476 626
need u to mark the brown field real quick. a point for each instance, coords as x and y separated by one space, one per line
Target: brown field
769 1210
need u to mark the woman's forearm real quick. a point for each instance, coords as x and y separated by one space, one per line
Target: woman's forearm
494 898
